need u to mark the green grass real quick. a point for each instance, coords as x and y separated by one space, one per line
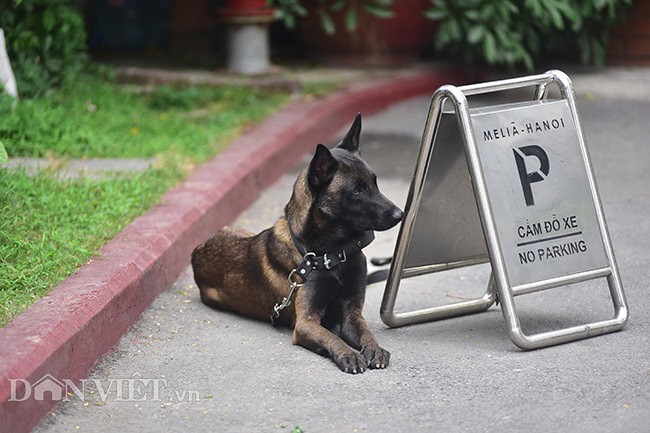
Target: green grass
95 118
48 226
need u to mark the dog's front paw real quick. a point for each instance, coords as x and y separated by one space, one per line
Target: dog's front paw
376 357
351 362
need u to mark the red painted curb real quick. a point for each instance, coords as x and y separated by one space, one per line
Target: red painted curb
65 333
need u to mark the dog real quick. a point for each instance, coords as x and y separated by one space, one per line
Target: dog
308 270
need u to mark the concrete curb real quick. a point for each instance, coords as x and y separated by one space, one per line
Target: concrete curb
65 333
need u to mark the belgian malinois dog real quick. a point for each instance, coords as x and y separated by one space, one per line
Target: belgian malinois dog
308 270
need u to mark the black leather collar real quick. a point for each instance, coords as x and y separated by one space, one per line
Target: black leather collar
311 261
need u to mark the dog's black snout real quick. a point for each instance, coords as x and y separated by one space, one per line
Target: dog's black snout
386 218
398 215
393 216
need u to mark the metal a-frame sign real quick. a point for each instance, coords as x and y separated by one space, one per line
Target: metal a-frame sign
511 185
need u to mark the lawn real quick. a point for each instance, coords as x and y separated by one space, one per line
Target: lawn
50 226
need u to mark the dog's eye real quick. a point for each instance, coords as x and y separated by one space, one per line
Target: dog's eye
359 187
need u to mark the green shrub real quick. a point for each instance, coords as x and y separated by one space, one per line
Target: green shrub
519 32
46 42
291 10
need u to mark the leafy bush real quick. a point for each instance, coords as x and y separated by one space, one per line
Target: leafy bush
519 32
288 10
46 42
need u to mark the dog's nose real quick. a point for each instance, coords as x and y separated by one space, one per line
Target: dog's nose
397 215
388 218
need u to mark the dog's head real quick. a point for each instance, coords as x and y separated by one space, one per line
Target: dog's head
346 188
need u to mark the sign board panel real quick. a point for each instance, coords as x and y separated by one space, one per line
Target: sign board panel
538 190
448 227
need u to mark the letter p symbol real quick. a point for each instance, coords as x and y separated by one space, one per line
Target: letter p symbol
527 178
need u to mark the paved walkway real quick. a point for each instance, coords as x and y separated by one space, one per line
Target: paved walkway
95 167
190 368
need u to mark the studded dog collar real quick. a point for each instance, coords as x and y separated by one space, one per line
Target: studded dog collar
311 261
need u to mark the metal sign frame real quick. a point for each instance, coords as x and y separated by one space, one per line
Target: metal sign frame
499 280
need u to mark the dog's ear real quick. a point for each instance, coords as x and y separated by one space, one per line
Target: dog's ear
322 167
351 140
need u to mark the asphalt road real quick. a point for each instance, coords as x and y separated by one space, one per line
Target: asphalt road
185 367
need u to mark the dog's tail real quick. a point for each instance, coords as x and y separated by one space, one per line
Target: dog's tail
381 274
381 261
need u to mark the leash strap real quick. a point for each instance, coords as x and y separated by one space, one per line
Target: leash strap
311 261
